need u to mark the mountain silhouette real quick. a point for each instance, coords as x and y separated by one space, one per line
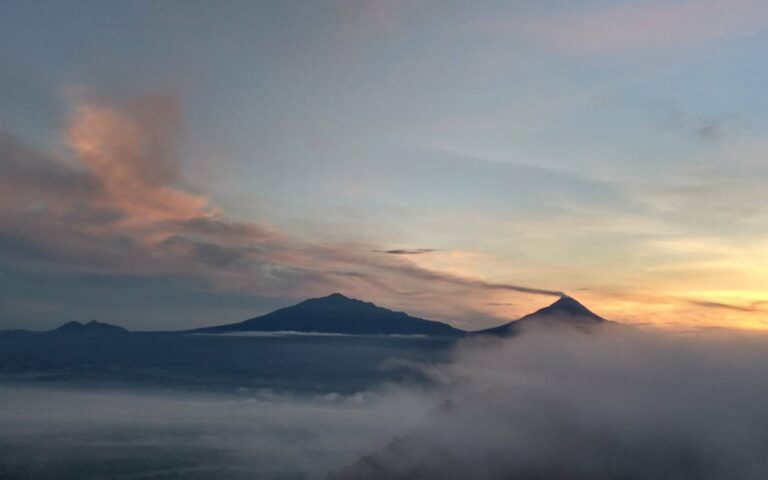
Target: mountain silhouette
337 313
566 311
91 328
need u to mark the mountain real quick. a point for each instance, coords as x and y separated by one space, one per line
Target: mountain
338 314
91 328
565 311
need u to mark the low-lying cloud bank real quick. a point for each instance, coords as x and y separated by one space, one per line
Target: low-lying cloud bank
63 434
616 403
619 404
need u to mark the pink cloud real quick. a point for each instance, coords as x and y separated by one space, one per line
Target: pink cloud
117 207
131 151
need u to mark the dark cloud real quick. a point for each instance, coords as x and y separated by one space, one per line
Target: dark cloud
214 254
403 251
442 277
752 307
228 229
711 129
707 128
30 177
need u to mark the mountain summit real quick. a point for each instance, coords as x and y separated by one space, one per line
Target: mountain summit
566 307
91 328
566 311
337 313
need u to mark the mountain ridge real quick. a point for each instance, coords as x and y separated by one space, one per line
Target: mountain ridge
337 313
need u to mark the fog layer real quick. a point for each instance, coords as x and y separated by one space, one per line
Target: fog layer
63 434
613 404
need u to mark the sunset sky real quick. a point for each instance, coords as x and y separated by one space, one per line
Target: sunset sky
173 164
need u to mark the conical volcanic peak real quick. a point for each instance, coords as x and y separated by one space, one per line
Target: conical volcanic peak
565 311
566 307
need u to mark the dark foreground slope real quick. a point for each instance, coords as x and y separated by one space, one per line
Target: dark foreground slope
217 363
338 314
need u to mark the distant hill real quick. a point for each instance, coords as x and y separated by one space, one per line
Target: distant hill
91 328
338 314
565 311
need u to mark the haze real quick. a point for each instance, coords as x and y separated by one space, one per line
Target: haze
613 403
169 163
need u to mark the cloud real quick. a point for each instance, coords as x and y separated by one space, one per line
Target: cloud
472 283
706 128
654 25
31 177
147 434
116 204
616 404
752 307
404 251
710 129
131 150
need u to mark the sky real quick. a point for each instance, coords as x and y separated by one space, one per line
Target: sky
174 164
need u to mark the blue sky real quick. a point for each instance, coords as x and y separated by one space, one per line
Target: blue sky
612 150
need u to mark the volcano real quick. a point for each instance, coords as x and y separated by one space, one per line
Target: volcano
339 314
566 311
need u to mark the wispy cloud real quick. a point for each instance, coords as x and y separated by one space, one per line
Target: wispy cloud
709 128
638 25
752 307
131 150
117 205
405 251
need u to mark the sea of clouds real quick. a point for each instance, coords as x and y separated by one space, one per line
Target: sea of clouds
613 403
